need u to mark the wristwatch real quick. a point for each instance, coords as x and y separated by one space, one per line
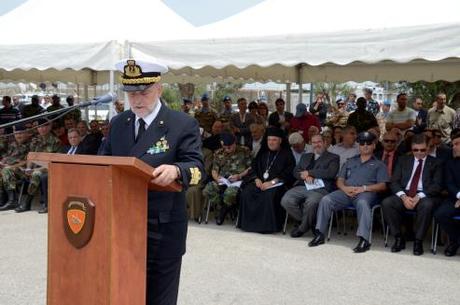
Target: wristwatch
178 172
365 188
273 182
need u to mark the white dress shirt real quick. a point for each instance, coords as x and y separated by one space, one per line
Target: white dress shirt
149 118
72 150
420 192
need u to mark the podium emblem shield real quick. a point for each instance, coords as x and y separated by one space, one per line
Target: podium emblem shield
78 220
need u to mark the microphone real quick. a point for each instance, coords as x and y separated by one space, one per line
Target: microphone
103 99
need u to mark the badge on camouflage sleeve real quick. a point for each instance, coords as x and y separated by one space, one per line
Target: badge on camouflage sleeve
196 175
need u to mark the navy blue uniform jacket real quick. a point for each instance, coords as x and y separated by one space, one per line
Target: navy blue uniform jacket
167 214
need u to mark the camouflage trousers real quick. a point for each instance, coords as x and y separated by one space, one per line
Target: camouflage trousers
218 194
34 181
10 177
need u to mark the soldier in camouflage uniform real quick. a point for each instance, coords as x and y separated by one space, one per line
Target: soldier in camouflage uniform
231 162
3 143
11 164
226 114
44 142
206 116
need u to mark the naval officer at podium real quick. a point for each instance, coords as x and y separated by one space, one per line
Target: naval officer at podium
170 142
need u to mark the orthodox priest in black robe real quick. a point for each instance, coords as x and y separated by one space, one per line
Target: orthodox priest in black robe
269 178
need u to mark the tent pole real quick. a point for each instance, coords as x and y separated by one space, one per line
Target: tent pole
299 81
312 90
288 97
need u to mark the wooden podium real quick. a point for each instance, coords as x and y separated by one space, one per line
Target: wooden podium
97 226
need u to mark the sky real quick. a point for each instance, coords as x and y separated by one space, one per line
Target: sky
197 12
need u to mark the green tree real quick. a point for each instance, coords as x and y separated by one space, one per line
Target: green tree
332 90
428 90
230 89
171 96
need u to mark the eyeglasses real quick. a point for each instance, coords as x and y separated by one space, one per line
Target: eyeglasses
362 143
389 141
419 150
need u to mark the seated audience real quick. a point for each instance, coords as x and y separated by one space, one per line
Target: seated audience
74 147
231 162
11 163
44 142
402 117
213 142
339 115
269 178
89 141
337 132
302 121
416 185
298 146
257 134
360 180
361 118
280 118
388 154
301 202
348 148
240 122
451 206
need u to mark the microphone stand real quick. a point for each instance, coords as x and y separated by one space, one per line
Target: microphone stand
93 102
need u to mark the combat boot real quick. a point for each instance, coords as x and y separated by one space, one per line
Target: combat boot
25 204
10 203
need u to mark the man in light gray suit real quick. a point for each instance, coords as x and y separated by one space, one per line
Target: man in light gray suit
315 174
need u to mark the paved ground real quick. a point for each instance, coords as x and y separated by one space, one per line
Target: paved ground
224 266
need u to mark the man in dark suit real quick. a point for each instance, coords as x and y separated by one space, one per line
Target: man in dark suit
451 207
388 154
240 122
416 184
301 202
436 148
170 142
89 141
422 114
75 147
280 118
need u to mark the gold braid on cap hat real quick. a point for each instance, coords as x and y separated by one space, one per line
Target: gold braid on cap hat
133 75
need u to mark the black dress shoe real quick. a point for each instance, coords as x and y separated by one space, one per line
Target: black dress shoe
363 246
400 244
296 232
451 249
222 213
43 210
418 247
317 240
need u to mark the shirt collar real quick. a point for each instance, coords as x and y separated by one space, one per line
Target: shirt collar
151 117
424 159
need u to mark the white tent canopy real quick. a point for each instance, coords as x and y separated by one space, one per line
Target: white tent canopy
411 53
56 37
281 17
298 40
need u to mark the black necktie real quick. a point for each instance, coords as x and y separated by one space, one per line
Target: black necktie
141 129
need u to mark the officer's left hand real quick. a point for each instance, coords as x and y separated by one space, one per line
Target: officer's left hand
164 175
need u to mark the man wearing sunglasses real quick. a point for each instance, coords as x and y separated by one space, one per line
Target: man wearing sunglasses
359 181
389 154
436 148
416 185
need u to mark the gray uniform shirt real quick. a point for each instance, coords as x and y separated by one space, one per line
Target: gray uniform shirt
357 173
